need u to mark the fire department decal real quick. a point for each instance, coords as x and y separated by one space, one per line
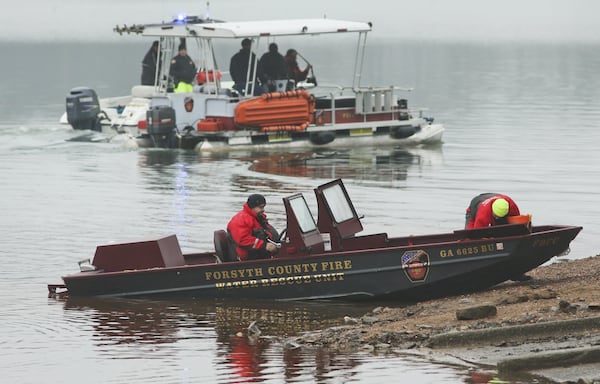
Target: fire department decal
416 265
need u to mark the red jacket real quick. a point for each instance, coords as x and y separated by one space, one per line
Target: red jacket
244 228
484 216
294 71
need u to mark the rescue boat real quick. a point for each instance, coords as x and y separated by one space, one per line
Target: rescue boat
322 259
214 116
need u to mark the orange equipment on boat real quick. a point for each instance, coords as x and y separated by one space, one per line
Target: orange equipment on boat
210 125
285 128
215 124
520 219
202 75
277 109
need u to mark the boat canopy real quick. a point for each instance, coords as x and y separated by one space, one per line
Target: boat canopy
240 29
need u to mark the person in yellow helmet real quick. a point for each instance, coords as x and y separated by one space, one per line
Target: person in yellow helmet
489 209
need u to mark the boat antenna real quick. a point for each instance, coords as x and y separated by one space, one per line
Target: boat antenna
207 15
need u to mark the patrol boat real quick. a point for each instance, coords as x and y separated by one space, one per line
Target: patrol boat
323 259
214 116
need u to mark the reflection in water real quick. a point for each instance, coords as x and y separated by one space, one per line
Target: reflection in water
158 157
244 353
246 357
366 163
133 321
248 340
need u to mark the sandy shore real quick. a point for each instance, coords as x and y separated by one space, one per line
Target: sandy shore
557 311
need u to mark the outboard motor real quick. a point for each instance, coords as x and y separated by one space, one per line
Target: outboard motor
161 126
83 109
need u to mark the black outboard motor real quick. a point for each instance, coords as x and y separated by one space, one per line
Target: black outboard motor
161 126
83 109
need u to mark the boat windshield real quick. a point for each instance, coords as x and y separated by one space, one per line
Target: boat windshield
336 199
303 215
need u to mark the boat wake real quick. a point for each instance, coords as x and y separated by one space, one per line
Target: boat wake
124 140
90 137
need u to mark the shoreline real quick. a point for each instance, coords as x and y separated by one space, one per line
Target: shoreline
528 327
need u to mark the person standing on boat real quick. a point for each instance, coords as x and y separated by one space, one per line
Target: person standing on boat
272 67
251 231
183 70
294 71
238 69
149 65
489 209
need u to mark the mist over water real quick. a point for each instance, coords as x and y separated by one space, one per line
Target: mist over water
471 20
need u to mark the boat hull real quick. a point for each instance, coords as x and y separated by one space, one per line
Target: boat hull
217 122
433 266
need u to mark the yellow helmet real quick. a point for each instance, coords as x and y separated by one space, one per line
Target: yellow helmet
500 207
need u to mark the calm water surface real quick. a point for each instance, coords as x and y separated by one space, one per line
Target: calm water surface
521 119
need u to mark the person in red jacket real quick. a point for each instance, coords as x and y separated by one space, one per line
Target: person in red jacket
294 71
489 209
250 230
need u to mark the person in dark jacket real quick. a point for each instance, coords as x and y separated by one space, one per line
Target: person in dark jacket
272 67
238 69
183 70
251 231
294 71
149 64
489 209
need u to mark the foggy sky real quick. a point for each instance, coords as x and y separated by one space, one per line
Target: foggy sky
506 20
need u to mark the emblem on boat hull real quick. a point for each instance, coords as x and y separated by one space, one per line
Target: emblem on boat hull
416 265
188 104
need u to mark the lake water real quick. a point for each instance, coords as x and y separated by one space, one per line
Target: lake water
521 119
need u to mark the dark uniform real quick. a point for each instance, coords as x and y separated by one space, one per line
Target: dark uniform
272 66
238 68
182 69
149 65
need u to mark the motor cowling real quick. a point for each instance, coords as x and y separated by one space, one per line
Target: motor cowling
161 126
83 109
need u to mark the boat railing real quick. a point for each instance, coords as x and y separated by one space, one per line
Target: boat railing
377 99
368 100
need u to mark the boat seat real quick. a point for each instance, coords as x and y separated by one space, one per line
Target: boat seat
224 247
145 91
